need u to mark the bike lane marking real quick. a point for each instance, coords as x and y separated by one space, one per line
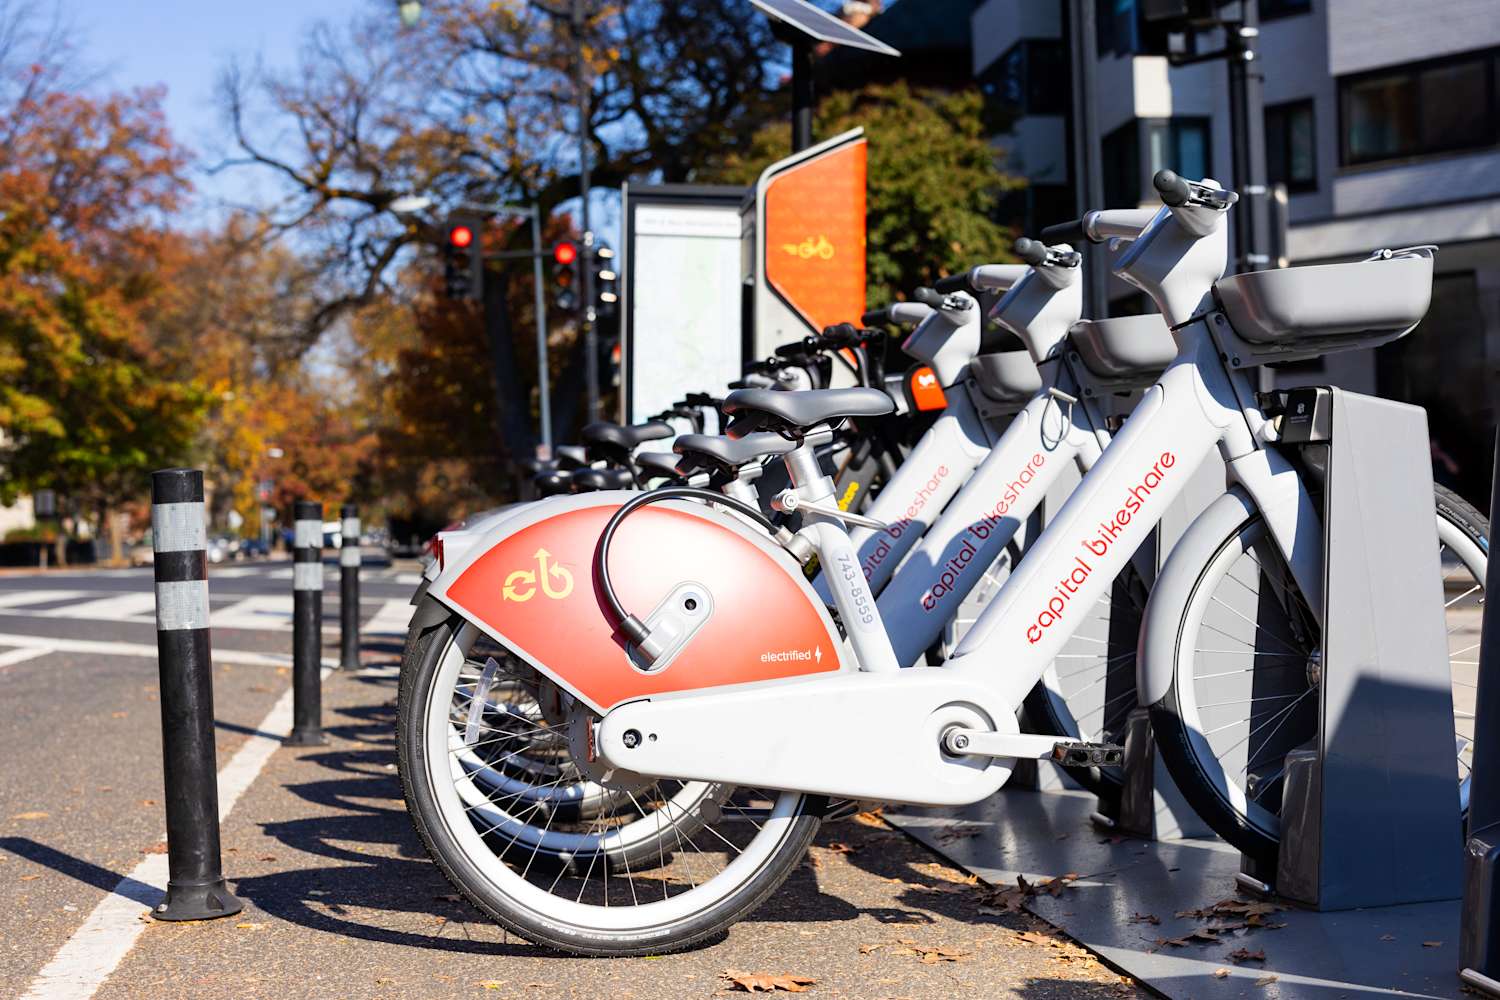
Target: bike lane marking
111 930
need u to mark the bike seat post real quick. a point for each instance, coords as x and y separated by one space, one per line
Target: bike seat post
811 482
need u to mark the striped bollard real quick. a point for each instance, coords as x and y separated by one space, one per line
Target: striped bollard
179 542
307 625
349 559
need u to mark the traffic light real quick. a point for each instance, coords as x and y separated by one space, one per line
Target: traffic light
565 277
463 257
606 282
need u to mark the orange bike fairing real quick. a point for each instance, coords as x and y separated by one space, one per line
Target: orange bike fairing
536 590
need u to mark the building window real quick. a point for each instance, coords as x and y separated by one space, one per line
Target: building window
1291 146
1435 107
1031 78
1272 9
1135 151
1117 27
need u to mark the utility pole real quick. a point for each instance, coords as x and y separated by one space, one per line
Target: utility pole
1248 138
543 373
590 335
1088 177
803 99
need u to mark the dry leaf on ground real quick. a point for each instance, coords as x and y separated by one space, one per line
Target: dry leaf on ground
762 982
871 818
1145 918
158 848
1221 973
1265 981
31 815
1032 937
1246 955
491 984
249 926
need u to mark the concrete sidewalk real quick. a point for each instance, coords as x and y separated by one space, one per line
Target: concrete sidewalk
341 901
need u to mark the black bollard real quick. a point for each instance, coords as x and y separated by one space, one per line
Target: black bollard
1479 935
307 625
349 559
195 872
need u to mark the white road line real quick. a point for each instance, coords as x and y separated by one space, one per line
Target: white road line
105 648
11 657
97 948
15 598
394 617
263 611
130 606
231 572
410 579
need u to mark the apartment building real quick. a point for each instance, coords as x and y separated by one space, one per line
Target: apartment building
1383 121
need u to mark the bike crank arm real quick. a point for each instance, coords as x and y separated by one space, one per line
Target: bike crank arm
1025 746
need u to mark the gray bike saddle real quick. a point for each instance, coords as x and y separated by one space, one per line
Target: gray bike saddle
731 453
758 409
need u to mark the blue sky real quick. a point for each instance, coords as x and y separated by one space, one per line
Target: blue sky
185 43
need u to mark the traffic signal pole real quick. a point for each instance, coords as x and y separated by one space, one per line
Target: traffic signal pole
543 367
590 335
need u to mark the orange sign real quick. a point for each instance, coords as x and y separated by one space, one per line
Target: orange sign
815 236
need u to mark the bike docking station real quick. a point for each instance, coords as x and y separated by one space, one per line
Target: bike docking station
1363 896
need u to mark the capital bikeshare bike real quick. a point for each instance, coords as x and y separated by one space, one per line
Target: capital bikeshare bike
734 678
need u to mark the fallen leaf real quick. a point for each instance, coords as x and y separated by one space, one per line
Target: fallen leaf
158 848
491 984
1221 972
1246 955
148 802
1032 937
1432 944
118 715
1265 981
839 847
762 982
871 818
932 956
953 833
29 878
268 857
1145 918
250 926
31 815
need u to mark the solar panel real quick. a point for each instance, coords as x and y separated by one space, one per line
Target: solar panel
820 25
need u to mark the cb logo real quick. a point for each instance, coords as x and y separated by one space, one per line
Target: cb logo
554 581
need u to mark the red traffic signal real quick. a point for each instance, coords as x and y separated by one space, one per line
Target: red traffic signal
565 253
460 237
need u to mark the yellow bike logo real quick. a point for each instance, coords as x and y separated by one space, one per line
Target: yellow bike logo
810 248
556 581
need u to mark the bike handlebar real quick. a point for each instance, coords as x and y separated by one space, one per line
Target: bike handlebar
953 283
1173 189
876 317
929 297
1033 252
1071 231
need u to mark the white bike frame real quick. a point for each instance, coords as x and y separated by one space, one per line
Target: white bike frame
806 734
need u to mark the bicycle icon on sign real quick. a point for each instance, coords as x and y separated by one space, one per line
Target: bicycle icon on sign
810 248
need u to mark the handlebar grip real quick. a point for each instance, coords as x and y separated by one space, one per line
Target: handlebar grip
876 317
1065 232
953 283
1033 252
928 297
909 313
1173 189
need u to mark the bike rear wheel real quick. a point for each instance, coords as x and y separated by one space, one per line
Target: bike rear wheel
588 886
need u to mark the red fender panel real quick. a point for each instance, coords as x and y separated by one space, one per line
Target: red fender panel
536 591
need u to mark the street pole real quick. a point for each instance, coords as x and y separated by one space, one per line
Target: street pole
1088 179
543 368
802 92
590 335
1248 138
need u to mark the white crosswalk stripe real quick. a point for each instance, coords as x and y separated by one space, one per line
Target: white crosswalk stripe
115 608
17 598
392 618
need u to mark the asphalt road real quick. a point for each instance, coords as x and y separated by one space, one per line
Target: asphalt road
341 900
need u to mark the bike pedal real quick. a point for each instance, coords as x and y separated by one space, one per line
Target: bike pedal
1075 753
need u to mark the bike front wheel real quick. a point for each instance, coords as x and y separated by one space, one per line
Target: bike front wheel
1247 669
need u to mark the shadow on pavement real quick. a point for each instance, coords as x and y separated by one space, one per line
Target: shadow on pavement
83 871
360 822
